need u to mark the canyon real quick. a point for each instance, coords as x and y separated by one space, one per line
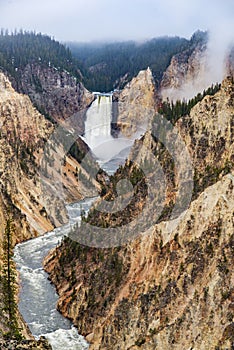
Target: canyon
169 285
55 93
25 186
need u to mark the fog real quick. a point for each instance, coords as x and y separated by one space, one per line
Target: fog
87 20
105 20
212 65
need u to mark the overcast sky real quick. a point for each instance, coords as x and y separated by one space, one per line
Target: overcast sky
88 20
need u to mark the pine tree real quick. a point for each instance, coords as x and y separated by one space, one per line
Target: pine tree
9 281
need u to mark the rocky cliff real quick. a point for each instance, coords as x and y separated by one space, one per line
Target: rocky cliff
34 196
23 131
186 74
26 144
41 344
55 93
172 287
136 103
194 70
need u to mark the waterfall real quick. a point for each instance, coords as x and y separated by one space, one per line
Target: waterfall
98 127
38 297
110 152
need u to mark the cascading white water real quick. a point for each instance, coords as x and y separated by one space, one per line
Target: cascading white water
110 152
98 128
38 297
98 122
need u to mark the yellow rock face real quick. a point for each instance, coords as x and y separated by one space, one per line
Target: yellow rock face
172 287
24 133
137 103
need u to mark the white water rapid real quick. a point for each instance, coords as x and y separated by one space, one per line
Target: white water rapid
38 297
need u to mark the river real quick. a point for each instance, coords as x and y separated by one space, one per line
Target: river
38 297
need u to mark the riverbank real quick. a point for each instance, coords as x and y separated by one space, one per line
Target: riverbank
12 344
38 297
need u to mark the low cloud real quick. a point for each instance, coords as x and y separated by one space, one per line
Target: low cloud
87 20
211 66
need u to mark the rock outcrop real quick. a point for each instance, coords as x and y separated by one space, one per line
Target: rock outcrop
23 131
194 70
26 138
30 194
186 74
209 135
136 103
56 94
172 287
41 344
22 136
